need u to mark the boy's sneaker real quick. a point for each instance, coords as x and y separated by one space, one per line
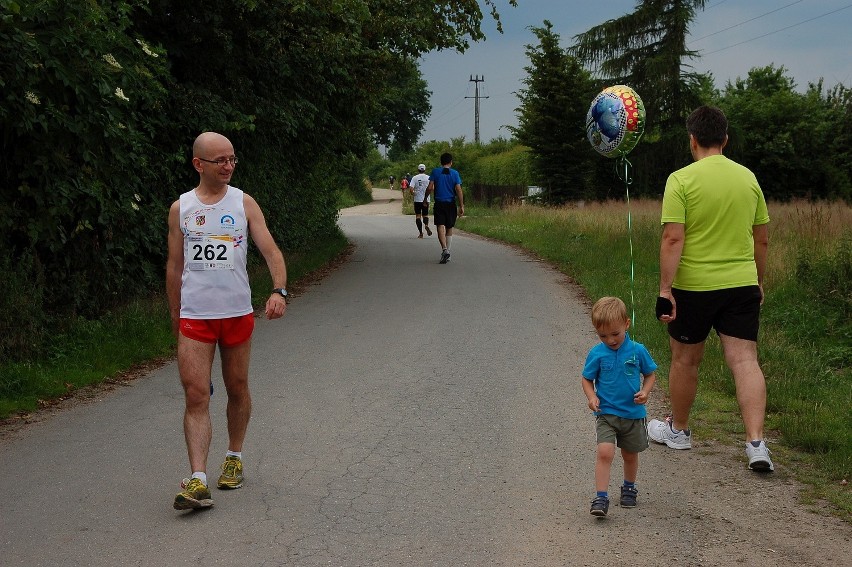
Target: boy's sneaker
193 496
663 432
628 496
600 506
445 257
758 457
232 473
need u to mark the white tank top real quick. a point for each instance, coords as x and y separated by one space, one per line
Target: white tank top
215 282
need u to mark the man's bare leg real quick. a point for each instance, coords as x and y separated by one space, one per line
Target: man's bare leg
235 371
683 380
741 357
195 362
442 236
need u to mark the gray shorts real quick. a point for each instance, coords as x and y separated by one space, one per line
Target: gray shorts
630 435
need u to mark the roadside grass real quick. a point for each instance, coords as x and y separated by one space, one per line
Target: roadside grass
350 197
408 202
131 337
806 322
89 352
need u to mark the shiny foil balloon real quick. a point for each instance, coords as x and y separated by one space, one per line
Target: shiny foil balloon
615 121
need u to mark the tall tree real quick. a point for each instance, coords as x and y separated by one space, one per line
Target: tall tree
551 118
793 142
647 50
401 109
839 102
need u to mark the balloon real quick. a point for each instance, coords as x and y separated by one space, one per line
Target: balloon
615 121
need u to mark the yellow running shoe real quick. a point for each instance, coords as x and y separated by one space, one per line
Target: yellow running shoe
232 473
193 496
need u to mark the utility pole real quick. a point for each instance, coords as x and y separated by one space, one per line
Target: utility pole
476 80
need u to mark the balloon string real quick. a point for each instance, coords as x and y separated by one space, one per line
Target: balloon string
624 169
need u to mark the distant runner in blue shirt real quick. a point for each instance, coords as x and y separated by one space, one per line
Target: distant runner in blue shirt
449 202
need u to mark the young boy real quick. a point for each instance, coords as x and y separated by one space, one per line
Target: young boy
617 395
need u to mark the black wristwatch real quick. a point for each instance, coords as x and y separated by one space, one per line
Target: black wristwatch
283 293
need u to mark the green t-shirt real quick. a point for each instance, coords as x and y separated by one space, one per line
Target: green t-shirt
718 201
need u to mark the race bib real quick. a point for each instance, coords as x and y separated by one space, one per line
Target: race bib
210 252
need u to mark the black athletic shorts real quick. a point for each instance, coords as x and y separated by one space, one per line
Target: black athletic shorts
734 312
421 208
445 213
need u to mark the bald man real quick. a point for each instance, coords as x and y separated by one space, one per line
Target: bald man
210 304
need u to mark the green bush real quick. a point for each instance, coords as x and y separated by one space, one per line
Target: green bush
83 100
22 315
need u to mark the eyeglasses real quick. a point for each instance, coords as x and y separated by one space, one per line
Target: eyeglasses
221 162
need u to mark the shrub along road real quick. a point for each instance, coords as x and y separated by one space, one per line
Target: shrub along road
405 413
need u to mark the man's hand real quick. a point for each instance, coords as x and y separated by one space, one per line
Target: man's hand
276 305
672 314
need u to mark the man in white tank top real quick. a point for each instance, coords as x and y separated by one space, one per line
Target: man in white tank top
210 303
419 183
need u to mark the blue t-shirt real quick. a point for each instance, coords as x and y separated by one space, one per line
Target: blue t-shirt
445 183
617 375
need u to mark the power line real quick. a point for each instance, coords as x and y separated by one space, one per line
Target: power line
453 120
715 4
745 22
448 108
777 31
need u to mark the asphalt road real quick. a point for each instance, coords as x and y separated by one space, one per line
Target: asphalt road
405 413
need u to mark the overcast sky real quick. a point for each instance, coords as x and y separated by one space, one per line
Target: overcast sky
812 39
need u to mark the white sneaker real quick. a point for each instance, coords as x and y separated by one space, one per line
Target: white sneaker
662 432
758 457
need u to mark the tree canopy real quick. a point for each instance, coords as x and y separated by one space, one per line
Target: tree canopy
102 101
796 144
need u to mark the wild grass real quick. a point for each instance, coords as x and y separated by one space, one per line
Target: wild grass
87 353
805 344
350 197
407 202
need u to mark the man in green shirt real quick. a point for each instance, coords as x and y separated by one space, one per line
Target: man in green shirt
712 263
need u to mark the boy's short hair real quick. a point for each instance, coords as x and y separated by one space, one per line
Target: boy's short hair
708 125
608 310
446 158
